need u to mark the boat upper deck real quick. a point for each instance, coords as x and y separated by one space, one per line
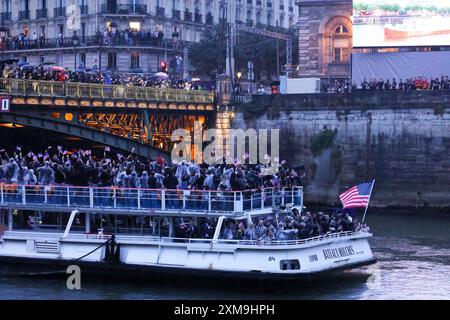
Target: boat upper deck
138 201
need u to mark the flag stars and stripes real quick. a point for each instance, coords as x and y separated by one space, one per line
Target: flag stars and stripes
357 196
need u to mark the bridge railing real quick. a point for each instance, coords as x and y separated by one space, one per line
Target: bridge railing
85 90
104 198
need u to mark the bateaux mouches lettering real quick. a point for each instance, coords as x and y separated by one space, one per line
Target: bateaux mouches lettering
341 252
187 310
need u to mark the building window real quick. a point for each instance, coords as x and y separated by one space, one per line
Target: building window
83 59
341 41
135 25
134 59
341 30
340 55
112 61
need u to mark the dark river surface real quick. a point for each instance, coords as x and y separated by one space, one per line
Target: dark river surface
413 255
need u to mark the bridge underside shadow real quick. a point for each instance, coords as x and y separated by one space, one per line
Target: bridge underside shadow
74 129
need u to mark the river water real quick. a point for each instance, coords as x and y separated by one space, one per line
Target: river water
413 255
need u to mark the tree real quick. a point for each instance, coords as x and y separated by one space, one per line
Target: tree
260 50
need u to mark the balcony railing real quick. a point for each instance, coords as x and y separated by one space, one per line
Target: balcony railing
198 18
41 13
24 15
59 12
110 198
160 12
176 14
132 9
5 16
127 9
187 16
147 40
84 9
209 18
82 90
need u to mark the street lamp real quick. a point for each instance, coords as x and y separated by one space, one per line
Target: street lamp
3 32
75 41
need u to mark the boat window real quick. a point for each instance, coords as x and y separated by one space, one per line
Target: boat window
290 264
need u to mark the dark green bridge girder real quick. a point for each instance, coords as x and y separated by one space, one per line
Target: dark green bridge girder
73 128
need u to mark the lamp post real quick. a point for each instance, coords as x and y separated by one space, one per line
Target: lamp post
3 33
75 41
239 75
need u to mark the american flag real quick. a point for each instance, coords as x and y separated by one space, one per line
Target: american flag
357 197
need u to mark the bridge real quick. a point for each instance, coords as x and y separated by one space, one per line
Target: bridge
123 117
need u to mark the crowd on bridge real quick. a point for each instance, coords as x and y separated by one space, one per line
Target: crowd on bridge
57 166
414 83
92 76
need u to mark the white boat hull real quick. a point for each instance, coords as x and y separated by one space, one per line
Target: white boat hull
243 259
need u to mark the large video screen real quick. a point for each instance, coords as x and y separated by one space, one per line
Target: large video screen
400 23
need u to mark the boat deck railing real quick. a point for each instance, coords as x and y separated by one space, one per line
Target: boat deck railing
42 88
146 200
156 239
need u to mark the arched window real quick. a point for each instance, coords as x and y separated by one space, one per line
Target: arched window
341 44
341 30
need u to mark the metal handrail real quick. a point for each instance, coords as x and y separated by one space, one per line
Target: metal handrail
93 236
22 87
105 198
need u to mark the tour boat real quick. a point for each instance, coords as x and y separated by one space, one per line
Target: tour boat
45 229
417 28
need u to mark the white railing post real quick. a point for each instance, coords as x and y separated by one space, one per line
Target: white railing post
234 202
209 201
45 194
163 200
1 190
115 197
292 193
184 199
24 200
262 199
139 199
251 200
91 197
68 196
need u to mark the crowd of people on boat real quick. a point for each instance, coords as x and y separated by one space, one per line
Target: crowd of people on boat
265 230
415 83
93 76
78 167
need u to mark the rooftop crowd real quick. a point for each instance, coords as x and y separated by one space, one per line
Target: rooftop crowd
56 166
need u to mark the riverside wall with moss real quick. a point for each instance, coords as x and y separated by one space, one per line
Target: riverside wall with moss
400 139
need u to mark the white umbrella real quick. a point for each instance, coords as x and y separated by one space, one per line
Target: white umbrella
161 75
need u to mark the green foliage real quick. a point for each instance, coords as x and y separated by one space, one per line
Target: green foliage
322 141
209 53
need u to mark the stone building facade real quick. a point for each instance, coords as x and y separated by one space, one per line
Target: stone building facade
179 20
325 38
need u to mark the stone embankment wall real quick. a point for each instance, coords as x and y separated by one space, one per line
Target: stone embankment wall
401 139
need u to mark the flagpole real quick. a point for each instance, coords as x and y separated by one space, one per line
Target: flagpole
370 195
